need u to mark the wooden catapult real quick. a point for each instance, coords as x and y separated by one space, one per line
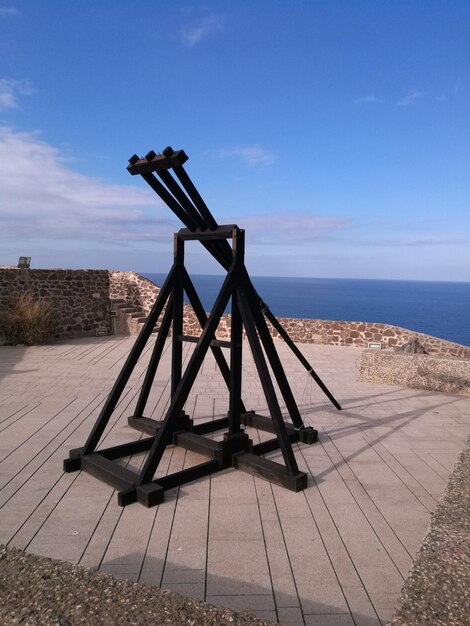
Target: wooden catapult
248 312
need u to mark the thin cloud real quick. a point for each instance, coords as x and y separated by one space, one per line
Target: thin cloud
43 198
291 227
431 241
253 155
454 92
418 242
8 11
410 98
199 29
10 89
367 100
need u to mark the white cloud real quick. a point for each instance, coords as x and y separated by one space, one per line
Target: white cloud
253 155
43 198
291 227
410 98
199 29
367 100
8 11
10 89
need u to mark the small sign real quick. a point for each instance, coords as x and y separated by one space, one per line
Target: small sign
24 262
375 345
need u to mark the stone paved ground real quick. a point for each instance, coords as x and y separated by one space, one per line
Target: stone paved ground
337 553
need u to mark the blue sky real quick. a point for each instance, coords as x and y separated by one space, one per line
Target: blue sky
336 133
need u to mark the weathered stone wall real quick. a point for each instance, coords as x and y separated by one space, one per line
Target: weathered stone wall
133 288
362 333
80 297
143 292
83 300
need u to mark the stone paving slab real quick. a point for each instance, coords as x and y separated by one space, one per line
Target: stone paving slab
336 553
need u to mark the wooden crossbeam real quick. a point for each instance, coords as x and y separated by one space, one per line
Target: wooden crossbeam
153 162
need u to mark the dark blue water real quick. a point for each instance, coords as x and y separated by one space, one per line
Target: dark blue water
441 309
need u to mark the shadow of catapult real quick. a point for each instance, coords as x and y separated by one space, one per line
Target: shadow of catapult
249 312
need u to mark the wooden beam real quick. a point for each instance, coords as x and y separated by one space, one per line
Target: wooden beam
158 162
215 343
269 470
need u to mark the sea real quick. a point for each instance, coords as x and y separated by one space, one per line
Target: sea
441 309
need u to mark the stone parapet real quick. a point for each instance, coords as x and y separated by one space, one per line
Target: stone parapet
362 334
83 298
80 297
133 288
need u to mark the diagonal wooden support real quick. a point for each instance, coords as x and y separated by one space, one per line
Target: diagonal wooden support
129 365
268 388
167 427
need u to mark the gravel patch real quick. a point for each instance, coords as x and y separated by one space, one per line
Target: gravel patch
437 591
37 591
416 371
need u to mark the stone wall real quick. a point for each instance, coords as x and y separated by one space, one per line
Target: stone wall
339 333
80 297
141 292
361 334
133 288
83 300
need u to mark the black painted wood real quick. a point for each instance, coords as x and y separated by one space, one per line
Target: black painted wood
202 319
268 388
236 448
126 449
144 424
128 367
166 430
157 163
270 470
215 343
154 359
210 427
108 471
221 251
177 348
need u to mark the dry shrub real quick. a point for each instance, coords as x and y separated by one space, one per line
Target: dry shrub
29 320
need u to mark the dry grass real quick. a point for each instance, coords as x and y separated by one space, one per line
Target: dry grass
29 320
